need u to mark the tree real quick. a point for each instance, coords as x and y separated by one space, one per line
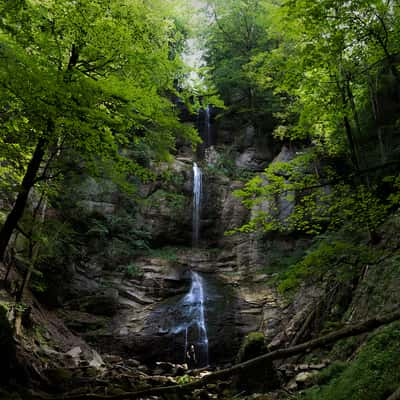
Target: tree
326 56
236 34
88 78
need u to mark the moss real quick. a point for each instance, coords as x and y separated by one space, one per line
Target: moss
173 200
332 372
262 377
253 345
345 348
168 253
373 375
133 271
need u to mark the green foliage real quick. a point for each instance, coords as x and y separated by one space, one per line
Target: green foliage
91 83
100 92
315 206
114 238
331 66
162 198
235 35
279 260
182 380
339 258
172 177
165 253
326 57
331 372
225 165
374 374
394 197
344 349
133 271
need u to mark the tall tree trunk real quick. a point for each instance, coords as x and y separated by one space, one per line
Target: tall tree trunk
27 183
33 250
353 108
352 145
347 125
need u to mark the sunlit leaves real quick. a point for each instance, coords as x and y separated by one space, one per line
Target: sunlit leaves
304 195
101 71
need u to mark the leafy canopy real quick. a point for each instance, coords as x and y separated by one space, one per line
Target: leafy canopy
89 77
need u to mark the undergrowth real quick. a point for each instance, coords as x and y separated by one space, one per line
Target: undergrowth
333 254
373 375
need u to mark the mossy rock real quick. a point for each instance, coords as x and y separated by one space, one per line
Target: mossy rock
259 378
252 346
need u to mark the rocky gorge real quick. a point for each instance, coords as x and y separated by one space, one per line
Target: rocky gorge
100 312
199 200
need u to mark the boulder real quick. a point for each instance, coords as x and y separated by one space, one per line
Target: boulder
262 377
305 379
75 352
96 362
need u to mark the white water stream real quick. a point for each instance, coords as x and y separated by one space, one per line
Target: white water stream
189 317
194 302
197 197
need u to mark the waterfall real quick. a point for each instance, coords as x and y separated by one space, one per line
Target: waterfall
196 328
192 322
197 195
189 313
194 325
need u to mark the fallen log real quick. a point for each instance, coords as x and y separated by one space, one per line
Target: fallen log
348 331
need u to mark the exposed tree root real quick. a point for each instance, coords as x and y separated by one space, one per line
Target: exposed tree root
348 331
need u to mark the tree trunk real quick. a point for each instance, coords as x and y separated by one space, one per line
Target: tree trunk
353 151
347 126
353 108
24 285
27 183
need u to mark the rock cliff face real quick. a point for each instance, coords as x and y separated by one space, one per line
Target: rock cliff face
134 312
132 304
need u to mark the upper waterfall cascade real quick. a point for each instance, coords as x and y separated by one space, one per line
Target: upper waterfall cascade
197 197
